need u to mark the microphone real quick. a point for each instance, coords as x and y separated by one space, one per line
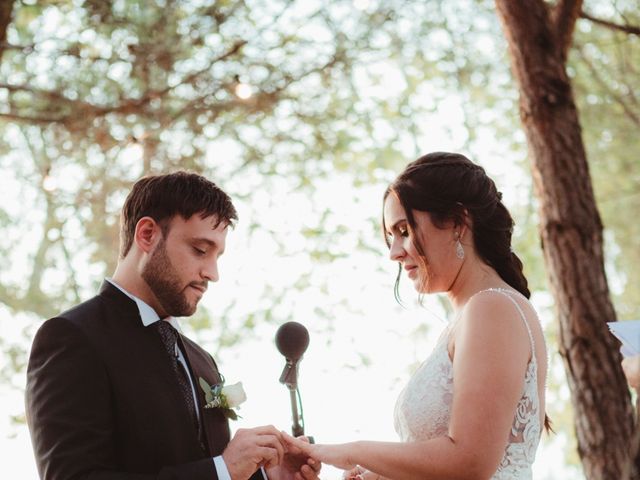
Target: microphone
292 340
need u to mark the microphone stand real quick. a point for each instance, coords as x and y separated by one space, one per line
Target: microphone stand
297 429
289 378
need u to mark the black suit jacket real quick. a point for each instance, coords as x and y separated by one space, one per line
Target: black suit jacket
103 403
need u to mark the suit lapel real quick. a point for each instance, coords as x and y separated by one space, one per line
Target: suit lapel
214 423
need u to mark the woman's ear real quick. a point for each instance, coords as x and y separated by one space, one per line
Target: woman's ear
462 221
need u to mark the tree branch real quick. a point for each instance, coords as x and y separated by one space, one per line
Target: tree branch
34 291
235 48
30 119
564 17
626 28
83 110
11 46
50 94
67 257
614 95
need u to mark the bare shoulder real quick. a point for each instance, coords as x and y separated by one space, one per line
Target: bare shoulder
497 318
492 317
496 309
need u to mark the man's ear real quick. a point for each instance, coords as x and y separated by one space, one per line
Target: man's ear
147 234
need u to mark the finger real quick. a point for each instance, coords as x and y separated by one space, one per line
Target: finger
286 436
304 449
281 449
308 473
314 464
268 456
289 441
294 442
272 442
295 450
303 438
350 473
354 473
267 430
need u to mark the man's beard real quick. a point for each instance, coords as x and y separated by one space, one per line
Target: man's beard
163 281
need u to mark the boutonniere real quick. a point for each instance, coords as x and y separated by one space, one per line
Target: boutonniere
223 397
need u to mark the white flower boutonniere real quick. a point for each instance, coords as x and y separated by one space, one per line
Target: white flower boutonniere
223 397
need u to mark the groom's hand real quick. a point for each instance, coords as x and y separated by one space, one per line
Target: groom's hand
252 448
295 465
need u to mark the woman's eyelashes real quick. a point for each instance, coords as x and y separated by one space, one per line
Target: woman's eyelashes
400 231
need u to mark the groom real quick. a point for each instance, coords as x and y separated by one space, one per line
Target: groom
113 387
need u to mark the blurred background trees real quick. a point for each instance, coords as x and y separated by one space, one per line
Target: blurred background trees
315 105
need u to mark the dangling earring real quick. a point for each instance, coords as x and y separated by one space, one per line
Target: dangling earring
459 249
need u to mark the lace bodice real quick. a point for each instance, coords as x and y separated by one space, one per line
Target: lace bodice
423 408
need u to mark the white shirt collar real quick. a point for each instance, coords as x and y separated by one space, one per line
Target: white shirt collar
147 314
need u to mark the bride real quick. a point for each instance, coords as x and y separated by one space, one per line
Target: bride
475 407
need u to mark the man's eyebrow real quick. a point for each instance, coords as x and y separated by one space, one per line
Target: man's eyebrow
211 243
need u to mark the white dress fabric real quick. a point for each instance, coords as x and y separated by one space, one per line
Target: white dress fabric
423 408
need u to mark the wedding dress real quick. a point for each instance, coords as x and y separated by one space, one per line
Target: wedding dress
423 408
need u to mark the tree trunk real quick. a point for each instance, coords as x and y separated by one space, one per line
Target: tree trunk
6 9
539 37
632 471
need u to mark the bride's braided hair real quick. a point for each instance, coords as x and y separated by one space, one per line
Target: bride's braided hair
445 185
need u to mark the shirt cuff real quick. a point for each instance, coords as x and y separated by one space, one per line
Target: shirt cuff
221 468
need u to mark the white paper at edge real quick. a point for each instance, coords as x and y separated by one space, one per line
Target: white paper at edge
628 332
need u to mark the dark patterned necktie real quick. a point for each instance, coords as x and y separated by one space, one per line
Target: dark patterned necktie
169 337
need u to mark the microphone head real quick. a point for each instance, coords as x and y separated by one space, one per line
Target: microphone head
292 340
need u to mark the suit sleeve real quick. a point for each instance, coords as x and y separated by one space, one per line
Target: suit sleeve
69 412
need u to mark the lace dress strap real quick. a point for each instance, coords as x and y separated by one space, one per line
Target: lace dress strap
507 293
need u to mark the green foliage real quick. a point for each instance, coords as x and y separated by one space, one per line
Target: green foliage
104 92
604 65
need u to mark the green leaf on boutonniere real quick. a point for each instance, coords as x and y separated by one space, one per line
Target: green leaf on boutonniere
230 413
208 394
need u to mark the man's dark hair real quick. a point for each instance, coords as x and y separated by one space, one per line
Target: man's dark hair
162 197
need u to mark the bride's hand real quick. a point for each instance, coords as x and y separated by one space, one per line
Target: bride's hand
336 455
360 473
